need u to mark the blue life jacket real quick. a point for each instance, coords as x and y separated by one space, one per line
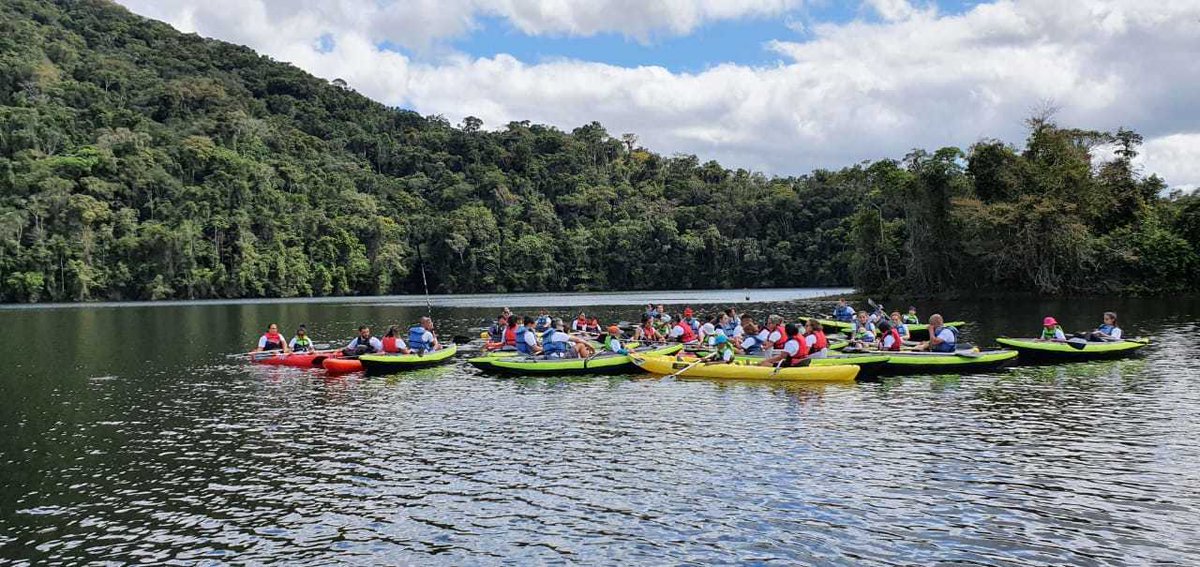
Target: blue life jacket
945 347
541 324
549 347
522 347
754 348
1106 329
414 339
864 332
844 313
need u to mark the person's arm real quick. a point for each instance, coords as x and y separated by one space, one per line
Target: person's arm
1116 333
262 344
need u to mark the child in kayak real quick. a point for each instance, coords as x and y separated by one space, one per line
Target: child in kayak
723 352
612 342
392 343
814 337
1108 331
843 312
646 331
1051 331
891 339
751 343
911 318
301 342
864 329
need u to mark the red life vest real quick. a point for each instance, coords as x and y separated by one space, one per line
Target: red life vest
274 341
389 345
821 343
649 333
782 340
896 341
510 336
688 335
801 351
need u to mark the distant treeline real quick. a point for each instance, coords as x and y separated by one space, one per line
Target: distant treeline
137 162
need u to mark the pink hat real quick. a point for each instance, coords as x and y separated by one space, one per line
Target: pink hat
1049 321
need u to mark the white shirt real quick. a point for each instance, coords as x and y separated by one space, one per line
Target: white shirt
738 331
750 342
577 325
560 337
262 341
426 337
763 336
1116 333
791 347
531 338
775 335
947 335
374 342
888 341
675 333
1059 335
811 340
727 355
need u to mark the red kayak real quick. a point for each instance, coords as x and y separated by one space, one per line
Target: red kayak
334 365
297 359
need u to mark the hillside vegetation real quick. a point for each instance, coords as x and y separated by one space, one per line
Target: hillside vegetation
137 162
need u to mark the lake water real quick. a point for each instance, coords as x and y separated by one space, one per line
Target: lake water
126 435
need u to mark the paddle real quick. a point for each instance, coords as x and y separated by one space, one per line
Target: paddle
254 353
689 367
1077 343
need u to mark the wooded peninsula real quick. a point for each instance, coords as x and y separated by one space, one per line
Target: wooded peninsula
138 162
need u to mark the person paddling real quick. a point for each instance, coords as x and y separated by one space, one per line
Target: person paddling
301 342
1051 331
941 337
646 331
421 337
364 343
272 340
723 351
556 343
392 343
1108 331
794 350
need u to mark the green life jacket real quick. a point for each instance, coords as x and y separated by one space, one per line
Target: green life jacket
303 344
723 348
1050 334
910 320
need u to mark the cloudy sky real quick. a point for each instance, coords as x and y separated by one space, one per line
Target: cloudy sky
781 86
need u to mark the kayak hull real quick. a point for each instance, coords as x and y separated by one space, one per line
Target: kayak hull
744 370
1038 350
601 364
335 365
946 363
377 364
297 360
916 331
869 364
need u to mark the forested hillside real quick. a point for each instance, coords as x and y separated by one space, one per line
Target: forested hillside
137 162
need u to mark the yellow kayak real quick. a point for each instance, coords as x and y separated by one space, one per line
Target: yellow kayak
740 370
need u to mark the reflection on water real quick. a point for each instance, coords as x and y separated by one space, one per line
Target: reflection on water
132 438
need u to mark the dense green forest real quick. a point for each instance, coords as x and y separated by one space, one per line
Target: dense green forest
137 162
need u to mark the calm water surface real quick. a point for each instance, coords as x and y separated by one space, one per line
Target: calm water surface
126 435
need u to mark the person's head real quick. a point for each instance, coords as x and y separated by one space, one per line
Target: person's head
774 321
1110 318
841 302
558 325
273 328
896 316
544 312
514 321
427 323
936 321
649 307
529 321
749 326
812 325
725 318
391 332
301 331
582 317
1049 322
791 329
645 318
614 331
862 316
912 310
885 326
687 312
721 339
662 308
364 331
506 312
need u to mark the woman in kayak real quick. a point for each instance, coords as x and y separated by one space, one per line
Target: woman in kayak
815 339
364 343
301 342
393 344
682 332
580 324
272 340
1109 331
794 350
941 337
646 331
593 326
899 325
1051 331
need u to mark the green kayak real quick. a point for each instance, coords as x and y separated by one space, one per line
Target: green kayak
604 363
390 363
914 362
1076 349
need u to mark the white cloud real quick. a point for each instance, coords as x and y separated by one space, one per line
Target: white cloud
853 91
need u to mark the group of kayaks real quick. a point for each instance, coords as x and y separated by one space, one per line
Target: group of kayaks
336 363
843 363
